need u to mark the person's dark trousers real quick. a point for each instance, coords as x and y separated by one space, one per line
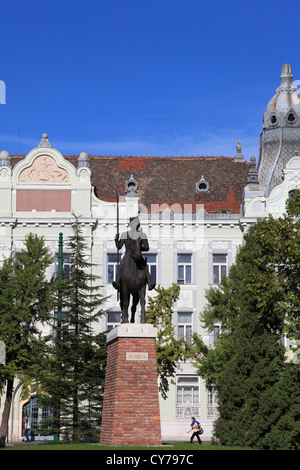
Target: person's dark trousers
26 434
198 437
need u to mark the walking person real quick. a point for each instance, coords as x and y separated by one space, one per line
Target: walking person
27 428
195 427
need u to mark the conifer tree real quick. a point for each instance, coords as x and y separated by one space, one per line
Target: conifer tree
256 304
25 304
169 350
72 379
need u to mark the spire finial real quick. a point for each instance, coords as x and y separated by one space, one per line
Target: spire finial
252 176
286 76
44 142
239 157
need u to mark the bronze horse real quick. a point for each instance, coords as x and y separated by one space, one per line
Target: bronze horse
133 282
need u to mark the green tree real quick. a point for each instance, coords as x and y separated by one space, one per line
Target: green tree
25 303
256 304
72 376
169 350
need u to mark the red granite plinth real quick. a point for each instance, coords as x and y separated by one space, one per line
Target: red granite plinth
131 402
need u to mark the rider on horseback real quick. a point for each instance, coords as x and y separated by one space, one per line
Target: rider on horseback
135 233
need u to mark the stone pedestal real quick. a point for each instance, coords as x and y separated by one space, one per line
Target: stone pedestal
131 403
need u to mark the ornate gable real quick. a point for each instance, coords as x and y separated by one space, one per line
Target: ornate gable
44 181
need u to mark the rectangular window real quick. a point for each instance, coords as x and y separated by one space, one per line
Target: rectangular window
152 265
213 336
112 267
212 404
184 269
65 266
220 267
185 328
187 397
217 329
113 319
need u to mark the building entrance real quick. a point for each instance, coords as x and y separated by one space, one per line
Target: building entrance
36 415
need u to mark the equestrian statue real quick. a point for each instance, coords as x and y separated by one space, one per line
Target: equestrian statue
133 274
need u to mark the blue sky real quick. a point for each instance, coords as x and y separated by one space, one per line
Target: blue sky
137 77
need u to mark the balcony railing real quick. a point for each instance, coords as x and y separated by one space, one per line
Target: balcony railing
187 410
212 412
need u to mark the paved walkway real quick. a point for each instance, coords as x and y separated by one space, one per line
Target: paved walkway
23 443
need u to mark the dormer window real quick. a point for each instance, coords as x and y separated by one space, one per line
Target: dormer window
273 119
131 186
202 186
291 117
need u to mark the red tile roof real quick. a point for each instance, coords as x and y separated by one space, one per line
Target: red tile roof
170 179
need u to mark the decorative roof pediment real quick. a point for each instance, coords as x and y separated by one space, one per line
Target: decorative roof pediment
44 165
275 203
44 169
293 164
45 181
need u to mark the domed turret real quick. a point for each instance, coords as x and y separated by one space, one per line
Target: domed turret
280 139
284 107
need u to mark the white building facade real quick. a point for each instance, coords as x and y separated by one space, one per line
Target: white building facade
194 210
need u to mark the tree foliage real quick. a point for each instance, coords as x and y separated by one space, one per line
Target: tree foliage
256 304
71 376
169 350
25 304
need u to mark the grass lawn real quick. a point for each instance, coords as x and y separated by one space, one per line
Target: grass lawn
173 447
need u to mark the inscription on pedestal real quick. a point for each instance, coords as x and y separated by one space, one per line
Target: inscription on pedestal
136 356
